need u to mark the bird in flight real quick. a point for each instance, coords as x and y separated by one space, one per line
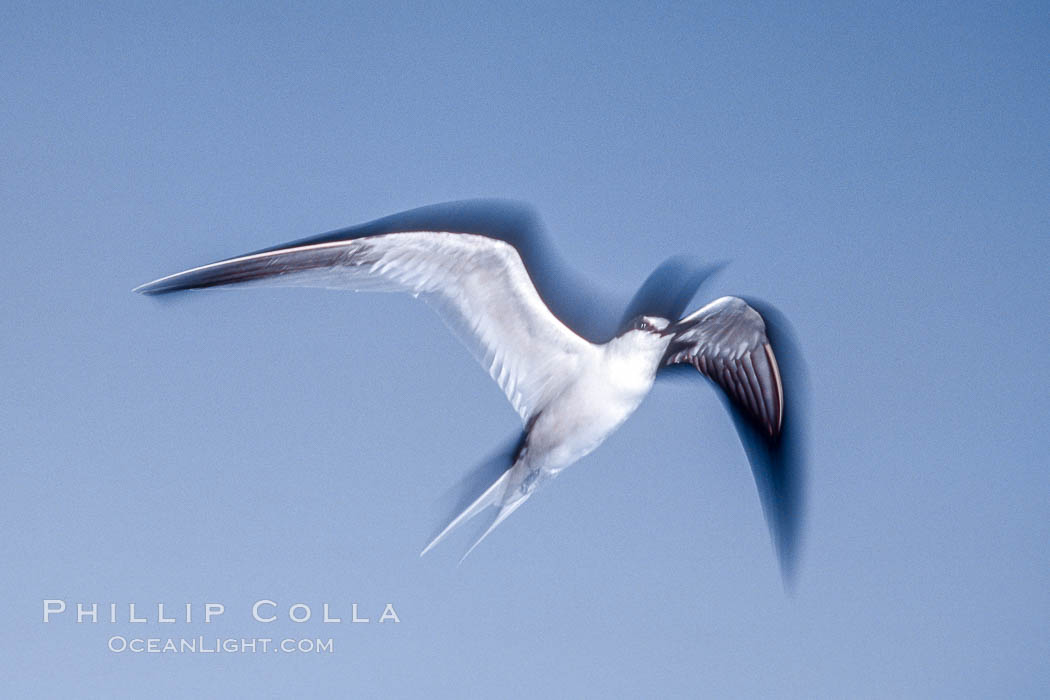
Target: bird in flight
571 393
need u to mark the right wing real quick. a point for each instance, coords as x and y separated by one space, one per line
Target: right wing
478 285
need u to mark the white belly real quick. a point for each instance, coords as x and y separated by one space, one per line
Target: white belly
582 418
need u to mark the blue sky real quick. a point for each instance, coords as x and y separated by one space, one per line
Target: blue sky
878 172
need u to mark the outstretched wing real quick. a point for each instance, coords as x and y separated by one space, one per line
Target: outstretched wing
478 285
726 340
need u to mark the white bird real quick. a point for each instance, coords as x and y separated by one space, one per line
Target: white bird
570 393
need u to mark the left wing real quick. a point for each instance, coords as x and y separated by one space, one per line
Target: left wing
726 340
732 343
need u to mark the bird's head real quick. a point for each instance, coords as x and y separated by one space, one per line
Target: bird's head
648 324
643 336
645 331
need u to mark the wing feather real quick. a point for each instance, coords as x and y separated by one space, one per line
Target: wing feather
478 285
726 341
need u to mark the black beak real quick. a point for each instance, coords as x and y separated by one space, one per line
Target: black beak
676 328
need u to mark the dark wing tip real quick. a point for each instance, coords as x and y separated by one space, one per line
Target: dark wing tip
780 465
256 266
753 385
182 281
776 393
155 288
225 272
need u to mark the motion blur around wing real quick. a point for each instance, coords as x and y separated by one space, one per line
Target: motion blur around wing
570 392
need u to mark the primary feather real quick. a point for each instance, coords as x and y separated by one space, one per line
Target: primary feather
478 285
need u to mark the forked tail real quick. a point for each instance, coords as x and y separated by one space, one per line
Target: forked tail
493 496
508 492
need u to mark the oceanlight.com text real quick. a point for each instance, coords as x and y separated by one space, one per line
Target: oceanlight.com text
119 644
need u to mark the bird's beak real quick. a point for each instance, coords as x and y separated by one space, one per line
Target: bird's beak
676 328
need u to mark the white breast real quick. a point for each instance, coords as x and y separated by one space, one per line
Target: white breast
596 404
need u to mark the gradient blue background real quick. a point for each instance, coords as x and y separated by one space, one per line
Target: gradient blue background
879 172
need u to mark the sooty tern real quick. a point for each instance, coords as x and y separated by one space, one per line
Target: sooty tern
570 393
